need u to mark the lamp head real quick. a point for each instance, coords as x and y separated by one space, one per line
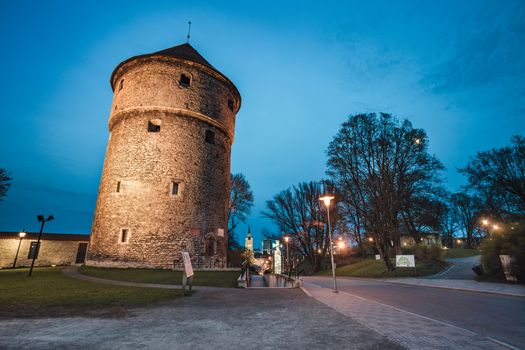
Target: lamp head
326 200
40 218
50 217
22 234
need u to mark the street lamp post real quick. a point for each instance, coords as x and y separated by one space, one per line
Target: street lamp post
21 234
43 220
286 239
326 200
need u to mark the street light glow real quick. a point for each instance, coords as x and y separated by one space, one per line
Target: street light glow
21 234
370 239
326 200
485 222
495 227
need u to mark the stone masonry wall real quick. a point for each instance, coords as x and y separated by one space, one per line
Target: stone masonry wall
146 164
52 252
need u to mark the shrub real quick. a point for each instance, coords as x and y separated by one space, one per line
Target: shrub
510 242
423 252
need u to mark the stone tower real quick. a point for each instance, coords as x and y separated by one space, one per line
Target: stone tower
166 176
248 242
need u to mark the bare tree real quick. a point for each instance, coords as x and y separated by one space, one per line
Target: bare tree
498 176
241 202
466 209
5 183
449 223
380 167
299 212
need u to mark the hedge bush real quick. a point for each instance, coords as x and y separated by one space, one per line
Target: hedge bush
509 242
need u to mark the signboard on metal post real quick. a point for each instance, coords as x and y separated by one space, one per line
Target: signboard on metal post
187 273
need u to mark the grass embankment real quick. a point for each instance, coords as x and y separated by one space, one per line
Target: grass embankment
225 279
376 268
48 293
460 253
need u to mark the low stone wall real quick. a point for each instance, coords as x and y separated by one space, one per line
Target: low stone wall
53 250
281 281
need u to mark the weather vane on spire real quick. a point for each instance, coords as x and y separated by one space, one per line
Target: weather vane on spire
189 30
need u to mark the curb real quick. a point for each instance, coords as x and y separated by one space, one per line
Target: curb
458 288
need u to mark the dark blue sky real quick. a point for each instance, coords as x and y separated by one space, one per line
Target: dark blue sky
454 68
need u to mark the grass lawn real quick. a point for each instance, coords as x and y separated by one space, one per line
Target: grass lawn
225 279
460 253
48 293
376 268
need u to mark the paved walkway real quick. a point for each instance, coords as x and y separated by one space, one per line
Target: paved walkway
72 271
516 290
233 318
256 281
405 328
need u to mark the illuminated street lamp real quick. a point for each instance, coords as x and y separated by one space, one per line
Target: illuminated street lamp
370 239
21 234
326 200
43 220
286 239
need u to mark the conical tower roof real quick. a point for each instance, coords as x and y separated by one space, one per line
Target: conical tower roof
184 51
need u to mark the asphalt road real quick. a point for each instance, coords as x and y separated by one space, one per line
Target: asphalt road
496 316
461 269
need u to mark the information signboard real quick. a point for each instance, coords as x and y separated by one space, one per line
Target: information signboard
405 261
188 269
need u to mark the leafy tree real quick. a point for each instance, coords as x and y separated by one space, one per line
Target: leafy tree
241 202
381 166
498 177
5 183
298 212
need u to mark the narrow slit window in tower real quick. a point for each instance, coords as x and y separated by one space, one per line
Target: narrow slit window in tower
174 188
118 187
154 125
124 236
184 80
210 136
230 105
121 85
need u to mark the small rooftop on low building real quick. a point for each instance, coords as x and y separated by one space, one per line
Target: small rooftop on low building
47 236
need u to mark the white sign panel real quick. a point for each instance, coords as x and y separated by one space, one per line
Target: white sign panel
507 262
378 257
405 261
277 262
187 264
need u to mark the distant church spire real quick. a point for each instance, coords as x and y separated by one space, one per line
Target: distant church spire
189 30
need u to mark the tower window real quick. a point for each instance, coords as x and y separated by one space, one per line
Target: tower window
210 136
174 188
124 236
118 187
154 125
230 105
121 85
184 80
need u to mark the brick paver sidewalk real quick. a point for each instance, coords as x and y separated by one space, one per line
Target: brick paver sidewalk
405 328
